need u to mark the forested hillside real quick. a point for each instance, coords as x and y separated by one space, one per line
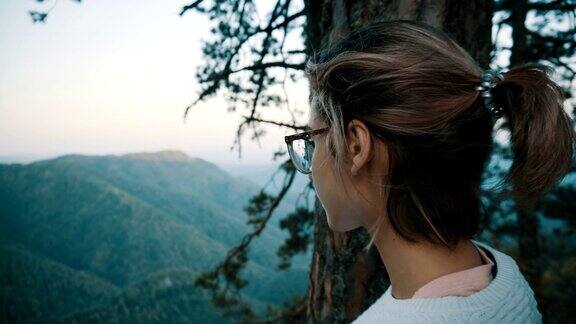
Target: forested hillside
121 237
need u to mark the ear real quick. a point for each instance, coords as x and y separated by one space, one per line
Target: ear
360 145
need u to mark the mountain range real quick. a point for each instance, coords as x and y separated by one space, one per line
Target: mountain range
122 237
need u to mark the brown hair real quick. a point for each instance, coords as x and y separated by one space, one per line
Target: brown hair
415 89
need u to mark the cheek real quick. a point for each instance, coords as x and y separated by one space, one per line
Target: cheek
323 181
317 175
319 163
339 208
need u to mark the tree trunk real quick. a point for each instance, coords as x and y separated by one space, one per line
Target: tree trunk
343 280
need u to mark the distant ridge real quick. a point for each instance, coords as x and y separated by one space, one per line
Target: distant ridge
164 155
168 155
94 238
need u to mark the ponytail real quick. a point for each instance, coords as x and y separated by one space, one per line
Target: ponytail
542 134
425 108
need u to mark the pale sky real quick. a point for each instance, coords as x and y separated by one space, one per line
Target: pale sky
112 77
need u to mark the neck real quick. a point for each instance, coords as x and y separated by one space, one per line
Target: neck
412 265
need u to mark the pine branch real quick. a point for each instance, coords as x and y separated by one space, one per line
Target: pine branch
260 210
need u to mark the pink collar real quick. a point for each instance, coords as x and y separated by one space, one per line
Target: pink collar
460 283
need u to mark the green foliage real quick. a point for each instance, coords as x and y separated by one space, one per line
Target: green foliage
94 234
559 278
300 226
244 58
260 209
35 287
165 297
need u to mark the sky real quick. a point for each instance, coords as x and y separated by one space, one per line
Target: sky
113 77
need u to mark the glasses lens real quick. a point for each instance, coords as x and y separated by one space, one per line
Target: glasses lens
300 151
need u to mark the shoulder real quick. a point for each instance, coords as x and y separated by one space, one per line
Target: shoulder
520 299
507 299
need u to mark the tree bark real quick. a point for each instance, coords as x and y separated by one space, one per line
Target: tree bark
344 281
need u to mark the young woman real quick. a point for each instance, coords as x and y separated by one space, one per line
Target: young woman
401 126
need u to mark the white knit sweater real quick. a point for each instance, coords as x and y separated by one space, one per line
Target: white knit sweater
507 299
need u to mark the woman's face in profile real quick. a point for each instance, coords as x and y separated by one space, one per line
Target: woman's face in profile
342 213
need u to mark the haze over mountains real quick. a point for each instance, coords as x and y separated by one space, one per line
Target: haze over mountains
121 238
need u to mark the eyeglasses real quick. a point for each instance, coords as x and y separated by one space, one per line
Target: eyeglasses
301 148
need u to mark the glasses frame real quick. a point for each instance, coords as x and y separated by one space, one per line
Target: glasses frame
307 135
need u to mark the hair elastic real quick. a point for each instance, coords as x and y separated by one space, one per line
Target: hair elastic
489 79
